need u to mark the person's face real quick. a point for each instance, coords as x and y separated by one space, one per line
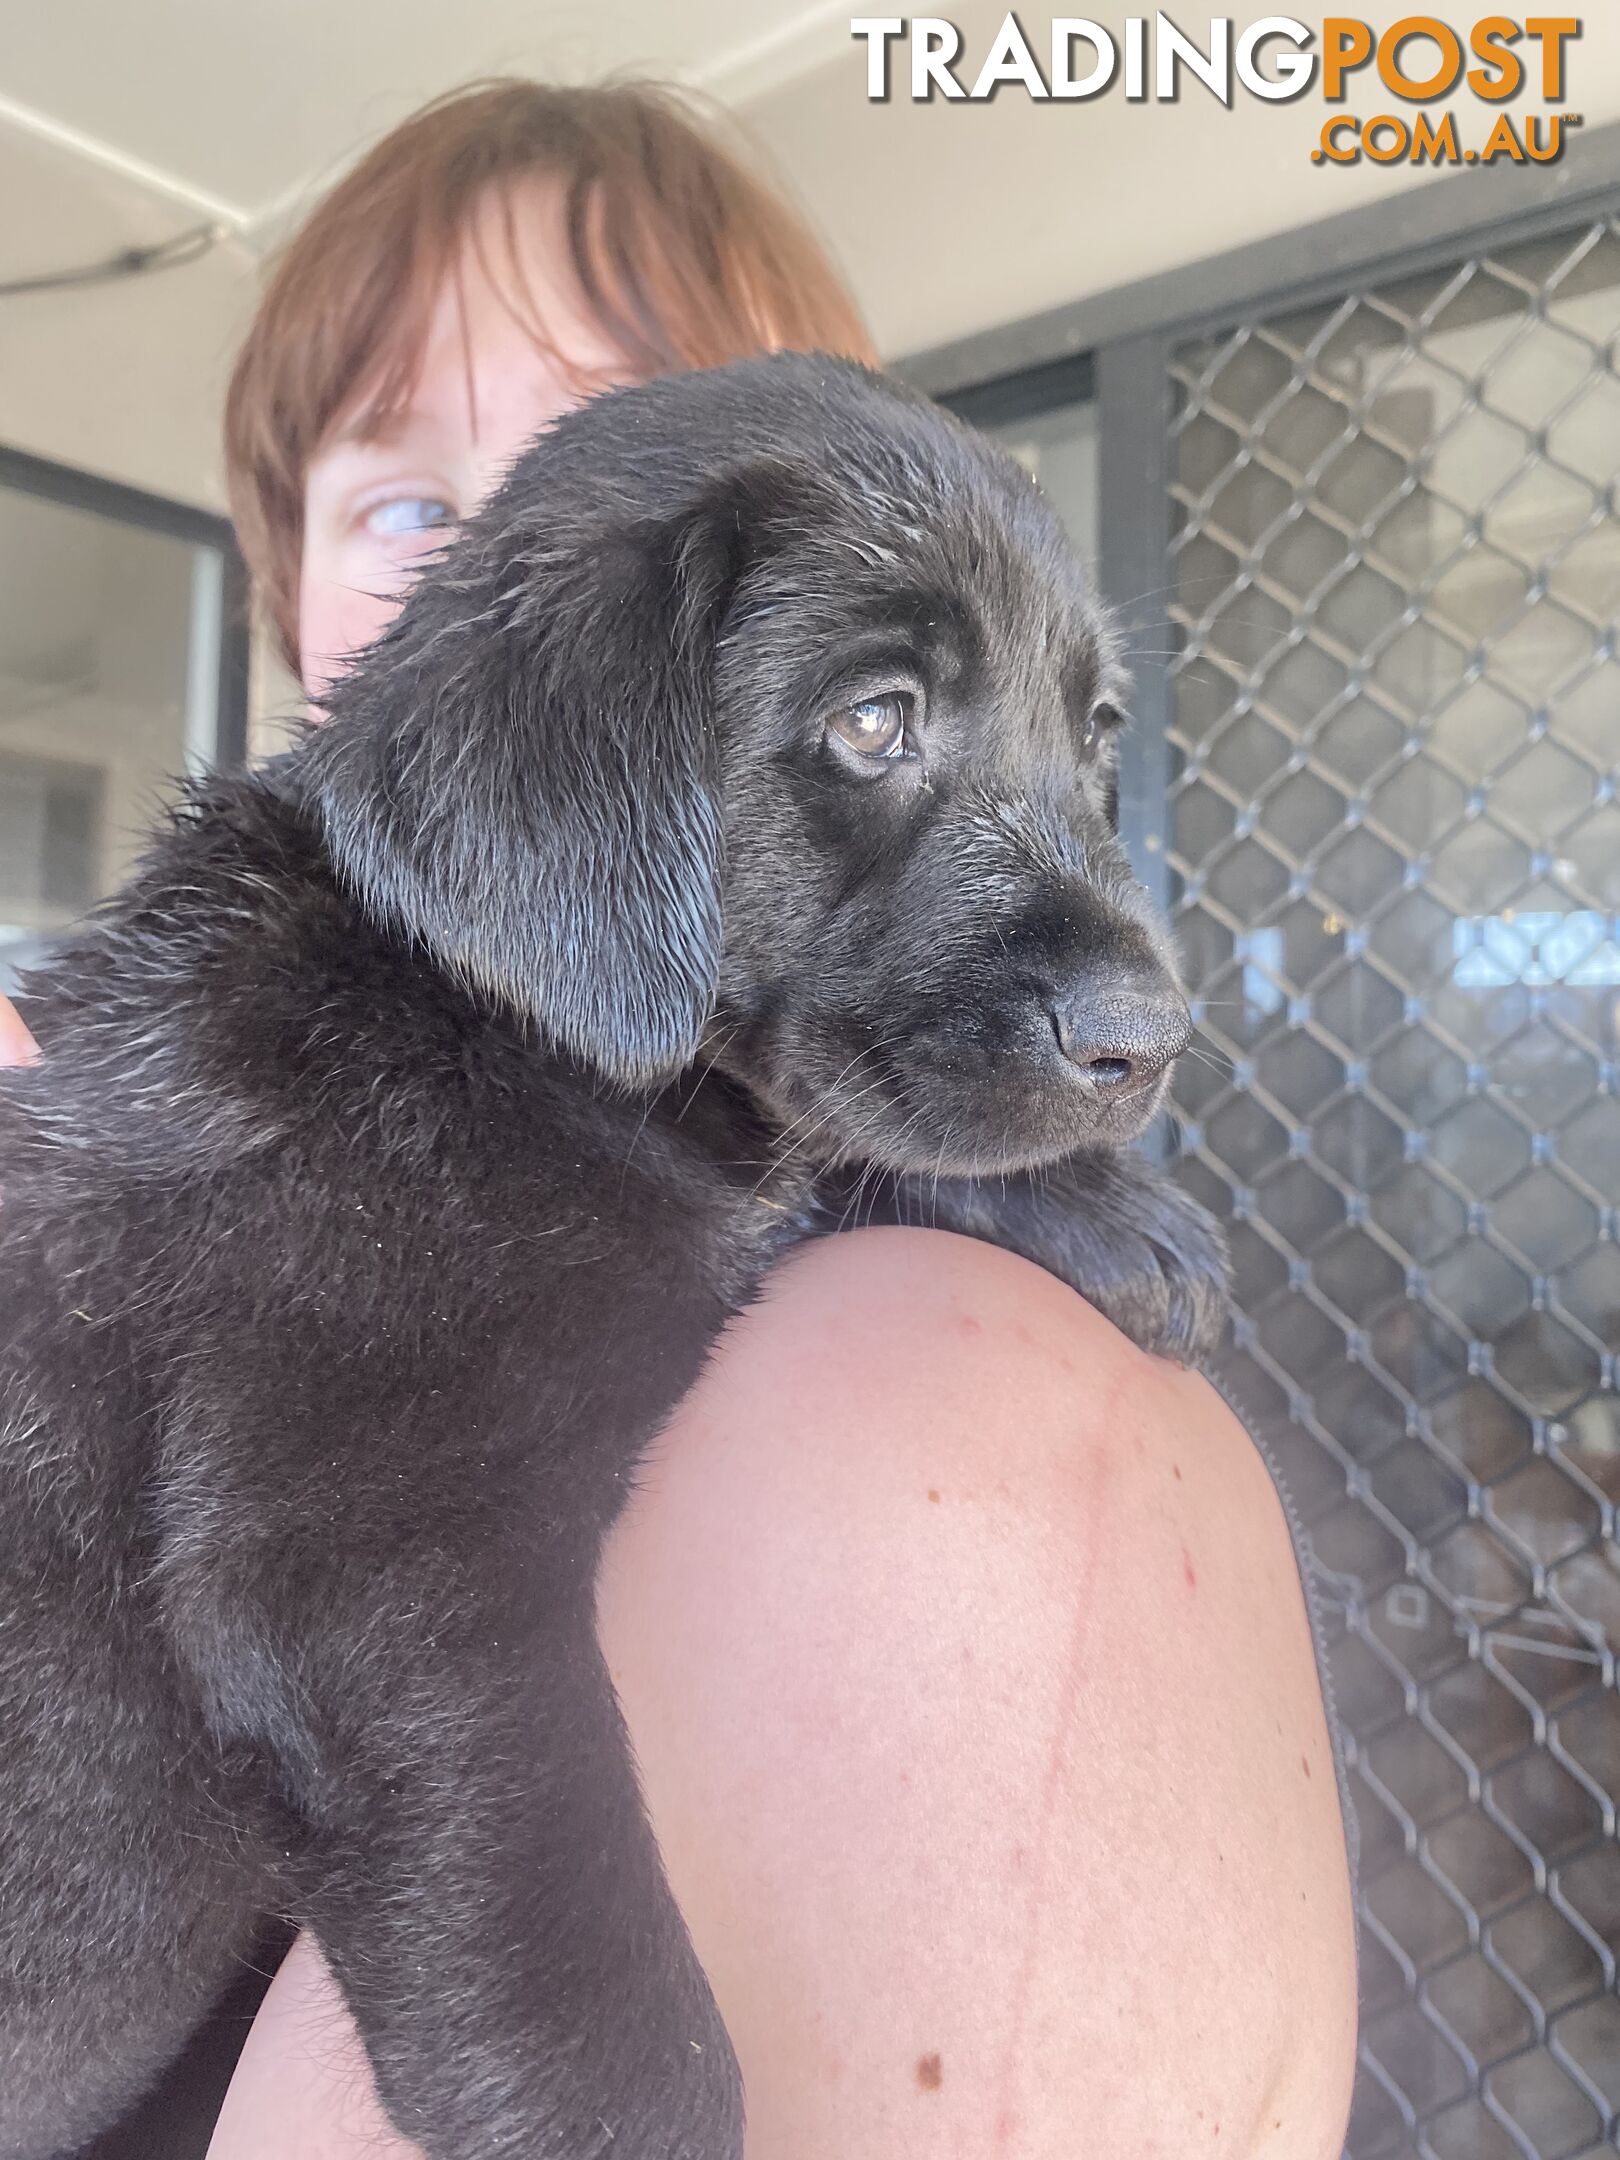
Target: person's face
374 505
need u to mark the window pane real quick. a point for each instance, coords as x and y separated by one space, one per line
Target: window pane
109 667
1059 447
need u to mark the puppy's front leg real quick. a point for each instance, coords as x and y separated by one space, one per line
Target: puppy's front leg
1109 1224
488 1892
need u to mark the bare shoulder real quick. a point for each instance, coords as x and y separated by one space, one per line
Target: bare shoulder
964 1651
968 1359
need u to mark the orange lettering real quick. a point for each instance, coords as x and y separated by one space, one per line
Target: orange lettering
1395 78
1435 145
1549 32
1346 44
1490 38
1340 153
1385 153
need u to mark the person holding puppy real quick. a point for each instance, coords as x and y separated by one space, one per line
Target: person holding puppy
961 1643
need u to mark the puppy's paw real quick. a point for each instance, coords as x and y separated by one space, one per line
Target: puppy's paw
1120 1232
1166 1285
1113 1227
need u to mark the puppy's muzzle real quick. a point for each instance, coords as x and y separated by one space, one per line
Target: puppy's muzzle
1119 1034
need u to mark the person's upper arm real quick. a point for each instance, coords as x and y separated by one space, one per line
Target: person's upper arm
965 1654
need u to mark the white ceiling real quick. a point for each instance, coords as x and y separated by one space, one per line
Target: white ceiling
123 122
235 107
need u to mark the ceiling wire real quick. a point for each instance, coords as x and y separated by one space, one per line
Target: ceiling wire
171 254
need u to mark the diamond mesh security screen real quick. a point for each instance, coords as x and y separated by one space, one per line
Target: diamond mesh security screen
1396 829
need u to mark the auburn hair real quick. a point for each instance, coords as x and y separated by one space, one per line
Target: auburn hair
685 257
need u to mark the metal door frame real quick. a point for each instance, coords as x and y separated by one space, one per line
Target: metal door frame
25 474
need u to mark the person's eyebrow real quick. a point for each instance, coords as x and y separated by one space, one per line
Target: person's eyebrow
376 432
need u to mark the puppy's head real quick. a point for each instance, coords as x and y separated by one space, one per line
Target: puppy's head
764 713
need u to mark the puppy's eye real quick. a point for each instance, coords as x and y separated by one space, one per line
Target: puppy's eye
875 726
1102 721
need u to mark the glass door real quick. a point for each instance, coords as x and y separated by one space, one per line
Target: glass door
1394 833
122 667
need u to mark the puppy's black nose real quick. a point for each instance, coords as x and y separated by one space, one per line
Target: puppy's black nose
1119 1035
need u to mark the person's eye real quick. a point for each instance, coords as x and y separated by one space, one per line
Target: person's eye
402 515
876 726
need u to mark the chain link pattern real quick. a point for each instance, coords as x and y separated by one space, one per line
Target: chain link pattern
1395 833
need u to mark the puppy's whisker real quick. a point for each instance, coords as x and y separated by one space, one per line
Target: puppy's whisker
826 1099
874 1174
641 1127
830 1099
869 1181
1220 1065
1216 1060
828 1105
939 1164
1175 587
1211 1047
827 1092
719 1051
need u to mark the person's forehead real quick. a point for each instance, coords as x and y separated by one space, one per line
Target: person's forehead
509 334
512 275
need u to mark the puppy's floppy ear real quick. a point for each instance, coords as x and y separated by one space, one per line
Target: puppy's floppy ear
523 773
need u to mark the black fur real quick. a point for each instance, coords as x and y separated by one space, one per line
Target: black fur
406 1132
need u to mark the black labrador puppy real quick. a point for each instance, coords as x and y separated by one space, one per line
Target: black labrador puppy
721 830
